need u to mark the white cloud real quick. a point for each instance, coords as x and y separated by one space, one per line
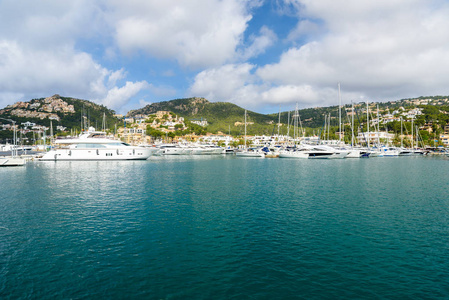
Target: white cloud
143 103
40 55
50 23
28 74
260 43
120 96
379 50
196 33
60 70
221 84
237 84
305 29
289 93
116 76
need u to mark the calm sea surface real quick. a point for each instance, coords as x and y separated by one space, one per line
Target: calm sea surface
226 228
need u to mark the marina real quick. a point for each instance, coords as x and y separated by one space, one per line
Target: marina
224 150
222 227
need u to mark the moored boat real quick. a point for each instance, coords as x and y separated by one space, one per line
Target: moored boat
250 152
94 145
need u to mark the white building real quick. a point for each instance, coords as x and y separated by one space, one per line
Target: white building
201 123
28 124
373 137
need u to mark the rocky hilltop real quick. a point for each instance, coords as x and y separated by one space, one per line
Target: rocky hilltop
64 110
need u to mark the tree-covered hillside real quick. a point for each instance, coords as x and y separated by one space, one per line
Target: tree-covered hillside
221 116
63 111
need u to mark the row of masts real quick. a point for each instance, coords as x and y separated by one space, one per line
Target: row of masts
298 131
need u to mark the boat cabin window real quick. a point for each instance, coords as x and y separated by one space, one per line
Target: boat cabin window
90 146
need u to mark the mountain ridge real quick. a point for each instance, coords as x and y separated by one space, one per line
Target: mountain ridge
221 116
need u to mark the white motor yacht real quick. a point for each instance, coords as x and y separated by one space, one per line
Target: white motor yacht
173 149
250 152
354 153
94 145
405 151
206 149
324 151
390 151
294 154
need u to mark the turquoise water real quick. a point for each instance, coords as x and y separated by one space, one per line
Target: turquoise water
226 228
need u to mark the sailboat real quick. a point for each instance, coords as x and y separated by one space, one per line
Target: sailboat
353 153
405 151
249 152
13 160
338 152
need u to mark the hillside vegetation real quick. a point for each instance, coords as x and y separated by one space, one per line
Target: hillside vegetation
64 111
229 118
221 116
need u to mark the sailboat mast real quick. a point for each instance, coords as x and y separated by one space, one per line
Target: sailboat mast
339 113
245 128
104 122
367 123
378 127
352 127
279 122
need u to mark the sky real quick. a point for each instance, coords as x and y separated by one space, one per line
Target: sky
261 55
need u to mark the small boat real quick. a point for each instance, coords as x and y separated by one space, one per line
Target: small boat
271 152
390 151
229 151
173 149
354 153
250 152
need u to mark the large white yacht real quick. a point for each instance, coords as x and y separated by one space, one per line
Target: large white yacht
94 145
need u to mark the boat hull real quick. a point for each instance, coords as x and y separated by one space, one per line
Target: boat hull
96 154
249 154
294 154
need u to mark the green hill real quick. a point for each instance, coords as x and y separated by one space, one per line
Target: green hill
64 111
221 116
